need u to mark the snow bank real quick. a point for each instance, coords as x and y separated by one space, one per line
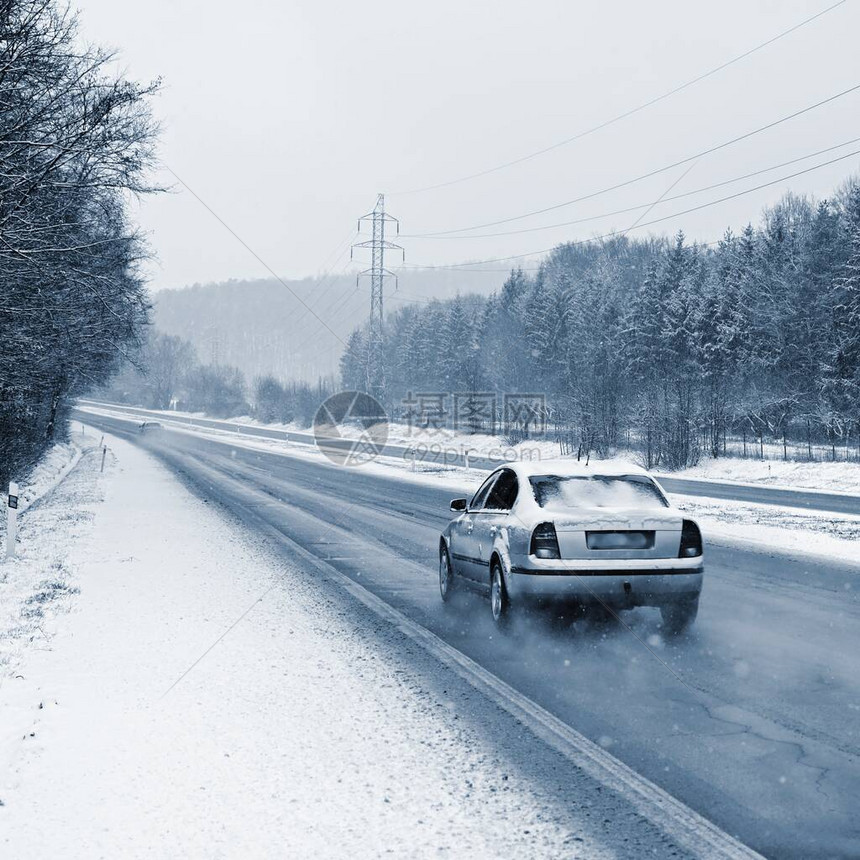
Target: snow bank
830 477
47 473
36 586
796 531
33 585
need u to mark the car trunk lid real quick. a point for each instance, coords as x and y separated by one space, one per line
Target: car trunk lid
617 534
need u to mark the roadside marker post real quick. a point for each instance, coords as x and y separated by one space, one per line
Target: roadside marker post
12 520
104 452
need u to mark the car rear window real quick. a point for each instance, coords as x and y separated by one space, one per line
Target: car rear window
596 491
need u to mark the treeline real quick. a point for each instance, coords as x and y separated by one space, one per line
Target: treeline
662 345
165 373
75 142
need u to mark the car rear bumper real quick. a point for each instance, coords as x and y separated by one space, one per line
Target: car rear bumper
625 588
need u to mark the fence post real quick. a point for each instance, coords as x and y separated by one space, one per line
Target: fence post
12 520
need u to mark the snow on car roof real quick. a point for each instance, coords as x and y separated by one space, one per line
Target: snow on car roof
571 468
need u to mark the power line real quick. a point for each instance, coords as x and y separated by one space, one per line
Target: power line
333 310
460 267
659 199
463 267
629 209
329 278
335 317
627 113
647 223
338 300
248 248
308 308
651 173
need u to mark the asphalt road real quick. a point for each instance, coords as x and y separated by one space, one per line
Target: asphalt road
752 720
810 499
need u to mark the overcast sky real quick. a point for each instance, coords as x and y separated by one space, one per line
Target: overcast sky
288 117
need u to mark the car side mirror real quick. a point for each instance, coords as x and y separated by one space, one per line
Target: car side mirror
458 504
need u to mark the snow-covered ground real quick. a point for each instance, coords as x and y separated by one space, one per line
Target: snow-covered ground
50 470
199 697
797 531
34 585
824 476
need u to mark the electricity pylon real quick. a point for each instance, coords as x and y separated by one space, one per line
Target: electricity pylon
378 275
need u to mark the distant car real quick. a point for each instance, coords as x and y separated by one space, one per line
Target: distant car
148 426
602 536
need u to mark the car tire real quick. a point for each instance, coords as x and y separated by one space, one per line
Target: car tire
679 617
447 577
500 604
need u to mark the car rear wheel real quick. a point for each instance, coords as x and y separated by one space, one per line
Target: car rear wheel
679 617
499 602
447 580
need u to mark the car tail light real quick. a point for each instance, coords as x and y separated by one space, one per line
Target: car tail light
545 542
691 540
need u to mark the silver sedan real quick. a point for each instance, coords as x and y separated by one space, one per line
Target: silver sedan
602 537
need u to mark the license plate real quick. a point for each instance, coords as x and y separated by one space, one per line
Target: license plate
619 540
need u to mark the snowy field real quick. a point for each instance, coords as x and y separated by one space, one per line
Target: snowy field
823 476
176 691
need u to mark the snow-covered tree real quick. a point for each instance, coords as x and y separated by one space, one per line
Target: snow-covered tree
75 142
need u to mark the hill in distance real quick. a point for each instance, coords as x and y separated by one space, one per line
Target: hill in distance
261 327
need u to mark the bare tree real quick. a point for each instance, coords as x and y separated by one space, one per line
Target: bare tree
74 142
